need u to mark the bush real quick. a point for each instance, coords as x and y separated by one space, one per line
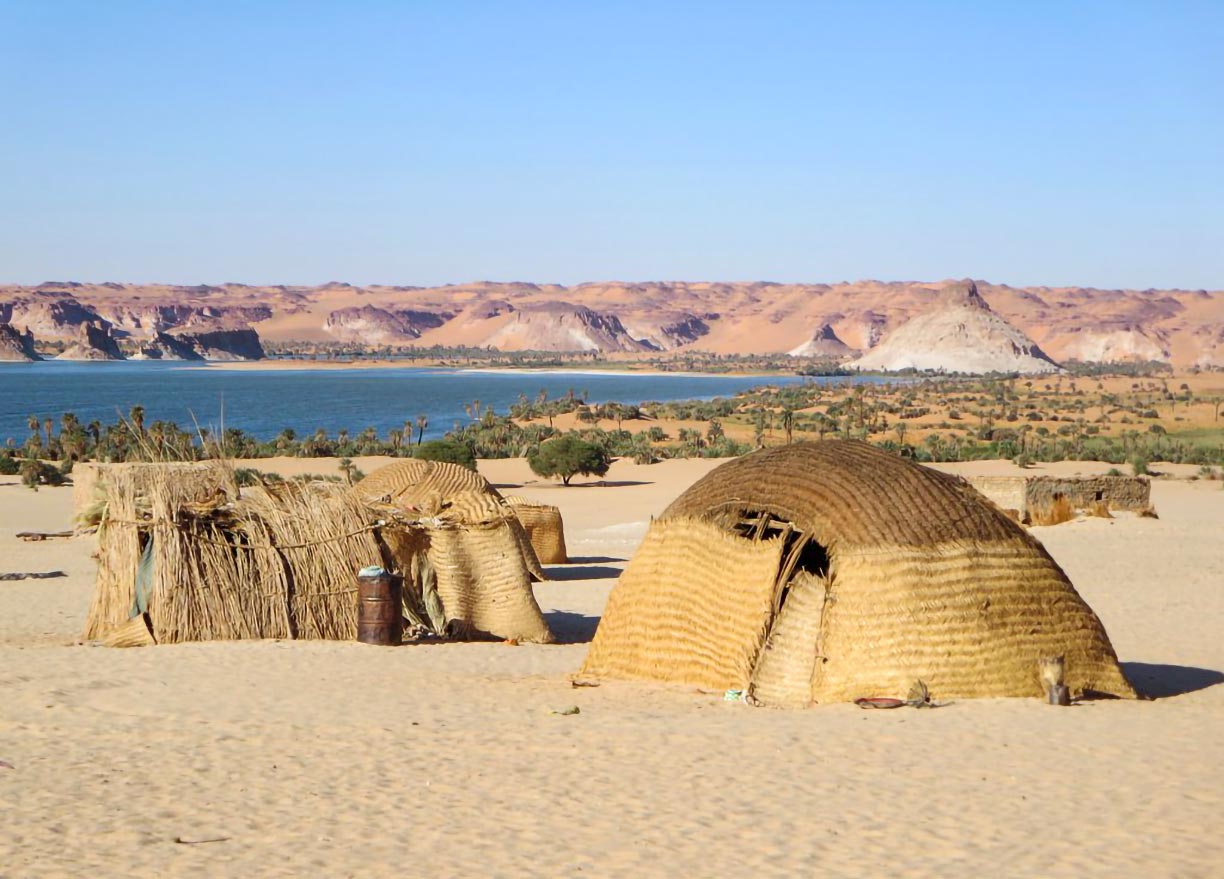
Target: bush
9 465
567 456
35 473
1139 465
446 450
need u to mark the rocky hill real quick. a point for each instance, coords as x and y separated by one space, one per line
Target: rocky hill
824 345
1183 327
960 334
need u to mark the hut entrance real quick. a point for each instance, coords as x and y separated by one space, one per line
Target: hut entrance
784 666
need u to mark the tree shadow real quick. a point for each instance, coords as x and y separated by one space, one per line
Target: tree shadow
1158 681
571 628
605 483
583 572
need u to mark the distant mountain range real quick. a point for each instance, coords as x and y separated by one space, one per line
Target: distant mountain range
975 327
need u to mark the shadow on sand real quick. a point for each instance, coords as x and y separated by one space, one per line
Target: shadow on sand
583 572
1158 681
571 628
593 559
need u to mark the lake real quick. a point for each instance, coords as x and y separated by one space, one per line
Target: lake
263 402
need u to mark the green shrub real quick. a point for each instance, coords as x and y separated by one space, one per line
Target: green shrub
567 456
8 465
446 450
35 473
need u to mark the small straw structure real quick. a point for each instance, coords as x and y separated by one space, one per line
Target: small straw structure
478 562
545 529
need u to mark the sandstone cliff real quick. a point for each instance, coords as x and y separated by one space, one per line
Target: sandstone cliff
16 346
93 341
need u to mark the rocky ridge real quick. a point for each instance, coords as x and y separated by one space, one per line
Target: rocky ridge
1182 327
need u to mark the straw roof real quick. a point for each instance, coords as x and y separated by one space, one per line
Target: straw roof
416 482
881 573
544 528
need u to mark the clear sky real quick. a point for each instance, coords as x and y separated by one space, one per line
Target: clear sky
426 143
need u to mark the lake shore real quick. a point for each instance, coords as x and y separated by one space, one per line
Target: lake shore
333 758
610 367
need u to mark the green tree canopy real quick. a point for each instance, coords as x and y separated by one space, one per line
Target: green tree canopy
446 450
567 456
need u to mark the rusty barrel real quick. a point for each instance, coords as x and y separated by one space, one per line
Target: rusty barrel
380 617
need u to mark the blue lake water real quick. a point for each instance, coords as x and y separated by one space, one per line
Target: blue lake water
264 402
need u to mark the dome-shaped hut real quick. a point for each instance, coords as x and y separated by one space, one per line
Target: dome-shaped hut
468 554
545 529
825 572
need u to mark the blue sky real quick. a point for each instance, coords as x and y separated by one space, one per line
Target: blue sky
426 143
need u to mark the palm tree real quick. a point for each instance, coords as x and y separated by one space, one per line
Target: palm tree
788 424
422 422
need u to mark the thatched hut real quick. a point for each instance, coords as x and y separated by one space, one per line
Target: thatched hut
179 546
545 529
825 572
180 550
471 547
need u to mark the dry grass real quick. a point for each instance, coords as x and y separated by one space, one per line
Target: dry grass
1055 512
1100 509
1148 512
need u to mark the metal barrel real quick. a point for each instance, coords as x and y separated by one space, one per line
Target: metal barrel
380 617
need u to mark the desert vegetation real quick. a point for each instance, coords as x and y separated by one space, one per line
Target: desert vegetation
1129 419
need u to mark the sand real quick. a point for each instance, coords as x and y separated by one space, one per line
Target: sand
339 759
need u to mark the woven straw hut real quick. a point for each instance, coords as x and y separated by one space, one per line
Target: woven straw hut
428 486
544 528
825 572
471 554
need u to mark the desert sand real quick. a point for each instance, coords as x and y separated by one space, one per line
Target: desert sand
341 759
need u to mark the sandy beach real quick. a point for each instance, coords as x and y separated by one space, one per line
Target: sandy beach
341 759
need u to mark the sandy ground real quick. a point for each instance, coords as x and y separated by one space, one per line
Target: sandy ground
339 759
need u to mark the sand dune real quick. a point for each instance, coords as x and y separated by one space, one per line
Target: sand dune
338 759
